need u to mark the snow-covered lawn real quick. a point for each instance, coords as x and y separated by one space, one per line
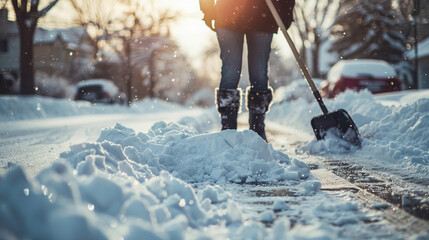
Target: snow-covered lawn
176 180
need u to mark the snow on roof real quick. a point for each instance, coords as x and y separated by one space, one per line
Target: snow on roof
359 67
423 50
72 37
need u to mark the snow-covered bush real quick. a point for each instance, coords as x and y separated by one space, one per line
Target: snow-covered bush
52 86
405 71
203 97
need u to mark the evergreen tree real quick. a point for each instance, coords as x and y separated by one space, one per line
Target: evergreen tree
369 29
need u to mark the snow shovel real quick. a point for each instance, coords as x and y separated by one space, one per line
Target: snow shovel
339 122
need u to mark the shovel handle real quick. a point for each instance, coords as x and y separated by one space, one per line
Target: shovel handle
302 66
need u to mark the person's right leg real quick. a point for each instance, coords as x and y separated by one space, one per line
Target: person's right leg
231 54
228 96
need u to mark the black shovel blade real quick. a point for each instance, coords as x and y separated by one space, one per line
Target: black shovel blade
340 123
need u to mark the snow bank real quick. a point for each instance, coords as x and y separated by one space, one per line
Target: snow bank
297 89
402 136
14 108
397 134
133 185
401 97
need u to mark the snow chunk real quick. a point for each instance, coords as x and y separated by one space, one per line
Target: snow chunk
280 206
267 216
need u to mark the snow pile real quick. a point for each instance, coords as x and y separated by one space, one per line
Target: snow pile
398 134
361 106
127 185
224 156
402 97
98 205
36 107
402 135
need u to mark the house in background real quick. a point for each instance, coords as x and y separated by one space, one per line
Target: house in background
61 52
9 44
423 60
9 56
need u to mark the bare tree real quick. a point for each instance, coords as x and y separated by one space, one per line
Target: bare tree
314 18
121 26
27 15
143 30
96 16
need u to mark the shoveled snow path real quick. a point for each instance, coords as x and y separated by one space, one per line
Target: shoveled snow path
386 193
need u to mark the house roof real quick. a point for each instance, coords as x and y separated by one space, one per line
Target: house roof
72 37
423 50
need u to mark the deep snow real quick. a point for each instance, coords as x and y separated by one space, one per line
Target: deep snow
174 181
394 134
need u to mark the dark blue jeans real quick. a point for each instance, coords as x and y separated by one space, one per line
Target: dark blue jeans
231 53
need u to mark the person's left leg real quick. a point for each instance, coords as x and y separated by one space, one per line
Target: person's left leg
259 95
228 96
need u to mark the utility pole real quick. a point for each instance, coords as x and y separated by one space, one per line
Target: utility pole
129 74
416 12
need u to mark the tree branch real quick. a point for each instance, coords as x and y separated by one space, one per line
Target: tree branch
17 11
24 5
47 8
34 6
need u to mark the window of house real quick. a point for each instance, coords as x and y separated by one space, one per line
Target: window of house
4 46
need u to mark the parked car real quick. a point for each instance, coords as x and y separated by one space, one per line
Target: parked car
375 75
99 91
7 81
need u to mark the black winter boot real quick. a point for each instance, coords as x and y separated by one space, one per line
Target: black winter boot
228 105
258 104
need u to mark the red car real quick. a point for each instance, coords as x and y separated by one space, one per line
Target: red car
375 75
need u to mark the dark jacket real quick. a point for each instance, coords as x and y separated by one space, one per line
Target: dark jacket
246 15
